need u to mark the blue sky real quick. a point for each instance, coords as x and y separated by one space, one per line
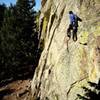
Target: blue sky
7 2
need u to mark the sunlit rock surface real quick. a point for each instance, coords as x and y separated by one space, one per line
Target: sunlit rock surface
65 66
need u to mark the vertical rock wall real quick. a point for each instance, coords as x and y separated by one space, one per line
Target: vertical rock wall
65 66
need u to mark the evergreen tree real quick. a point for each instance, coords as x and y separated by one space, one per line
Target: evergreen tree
2 10
8 41
27 25
92 93
19 38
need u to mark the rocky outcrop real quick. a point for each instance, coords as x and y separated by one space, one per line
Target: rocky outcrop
65 66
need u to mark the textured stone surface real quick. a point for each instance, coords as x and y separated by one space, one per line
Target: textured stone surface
65 66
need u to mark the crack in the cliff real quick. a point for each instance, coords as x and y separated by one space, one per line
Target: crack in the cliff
40 28
38 85
72 85
52 20
43 2
59 20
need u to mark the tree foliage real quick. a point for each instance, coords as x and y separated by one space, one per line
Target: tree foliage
2 10
92 93
18 37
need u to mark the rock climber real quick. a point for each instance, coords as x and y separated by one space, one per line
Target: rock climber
73 25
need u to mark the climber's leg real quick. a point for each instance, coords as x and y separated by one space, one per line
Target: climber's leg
69 31
75 33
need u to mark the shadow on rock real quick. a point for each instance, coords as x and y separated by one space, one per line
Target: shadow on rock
5 92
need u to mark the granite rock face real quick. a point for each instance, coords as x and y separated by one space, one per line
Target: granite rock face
65 66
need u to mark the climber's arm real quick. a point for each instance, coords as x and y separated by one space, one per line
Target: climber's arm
79 19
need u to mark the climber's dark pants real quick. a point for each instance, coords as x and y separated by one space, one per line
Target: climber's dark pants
74 29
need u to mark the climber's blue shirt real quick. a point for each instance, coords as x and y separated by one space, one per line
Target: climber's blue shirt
72 18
